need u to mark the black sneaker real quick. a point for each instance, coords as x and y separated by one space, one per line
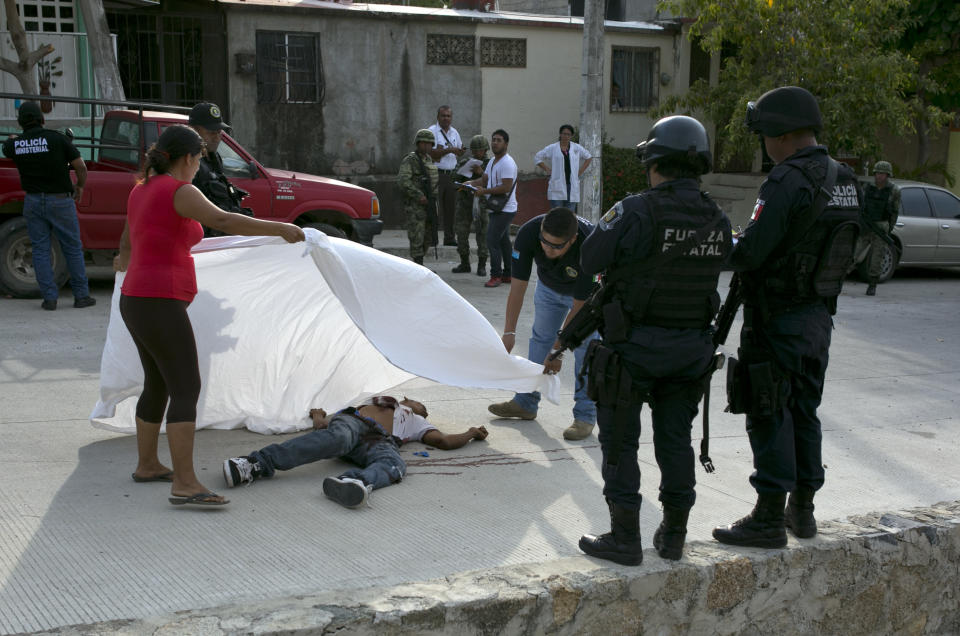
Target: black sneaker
346 491
49 305
86 301
239 470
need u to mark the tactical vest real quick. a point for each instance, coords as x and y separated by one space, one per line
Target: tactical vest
875 203
792 275
681 293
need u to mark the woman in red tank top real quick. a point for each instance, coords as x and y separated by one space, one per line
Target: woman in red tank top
164 217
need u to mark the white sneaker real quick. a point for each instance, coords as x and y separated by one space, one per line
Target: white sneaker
347 491
238 470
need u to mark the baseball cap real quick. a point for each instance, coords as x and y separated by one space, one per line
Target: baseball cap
29 113
208 115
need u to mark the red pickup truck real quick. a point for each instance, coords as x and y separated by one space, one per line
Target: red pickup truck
334 207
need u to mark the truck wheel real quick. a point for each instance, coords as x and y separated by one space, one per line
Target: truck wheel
16 261
888 264
328 229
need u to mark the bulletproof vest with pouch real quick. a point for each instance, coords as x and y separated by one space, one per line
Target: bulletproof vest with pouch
812 265
875 203
682 292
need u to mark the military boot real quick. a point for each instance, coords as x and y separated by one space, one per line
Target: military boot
798 516
418 260
669 537
762 528
620 545
463 267
482 267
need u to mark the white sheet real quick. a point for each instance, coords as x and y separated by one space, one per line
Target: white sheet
282 328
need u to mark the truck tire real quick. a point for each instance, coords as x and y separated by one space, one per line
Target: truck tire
16 261
888 264
328 229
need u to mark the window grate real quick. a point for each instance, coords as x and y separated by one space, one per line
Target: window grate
503 52
289 68
451 50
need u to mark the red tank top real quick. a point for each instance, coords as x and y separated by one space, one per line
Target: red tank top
160 240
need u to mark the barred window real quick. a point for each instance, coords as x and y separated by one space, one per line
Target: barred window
633 79
506 52
289 68
452 50
48 16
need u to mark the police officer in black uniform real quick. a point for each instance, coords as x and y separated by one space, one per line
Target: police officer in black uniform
207 120
786 321
662 251
44 158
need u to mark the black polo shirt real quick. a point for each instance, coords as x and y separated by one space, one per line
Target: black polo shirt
563 275
43 159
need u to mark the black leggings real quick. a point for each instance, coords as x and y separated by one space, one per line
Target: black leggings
168 351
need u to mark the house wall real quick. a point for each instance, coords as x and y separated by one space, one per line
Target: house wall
378 92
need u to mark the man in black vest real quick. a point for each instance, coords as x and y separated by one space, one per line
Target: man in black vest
668 244
880 211
44 158
785 337
207 120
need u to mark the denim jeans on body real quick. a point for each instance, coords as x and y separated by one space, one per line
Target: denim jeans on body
355 439
570 205
46 213
498 243
550 308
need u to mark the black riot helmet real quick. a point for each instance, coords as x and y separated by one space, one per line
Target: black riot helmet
784 110
678 138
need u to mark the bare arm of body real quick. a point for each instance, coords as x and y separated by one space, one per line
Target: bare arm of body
445 441
189 202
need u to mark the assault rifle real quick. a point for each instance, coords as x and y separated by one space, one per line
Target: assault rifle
728 310
585 322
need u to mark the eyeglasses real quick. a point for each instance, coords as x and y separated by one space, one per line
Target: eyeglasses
556 246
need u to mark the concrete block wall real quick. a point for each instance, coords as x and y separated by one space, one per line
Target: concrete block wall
876 574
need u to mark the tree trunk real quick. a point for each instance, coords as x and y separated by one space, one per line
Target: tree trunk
22 68
591 108
106 71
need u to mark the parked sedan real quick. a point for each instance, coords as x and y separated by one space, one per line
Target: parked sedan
927 232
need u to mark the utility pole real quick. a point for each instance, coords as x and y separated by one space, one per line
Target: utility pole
105 68
591 108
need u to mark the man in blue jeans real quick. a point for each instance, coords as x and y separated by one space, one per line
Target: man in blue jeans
553 241
44 158
368 436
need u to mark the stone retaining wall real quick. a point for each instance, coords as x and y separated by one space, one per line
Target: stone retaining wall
894 573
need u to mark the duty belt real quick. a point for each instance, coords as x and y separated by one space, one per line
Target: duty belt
442 171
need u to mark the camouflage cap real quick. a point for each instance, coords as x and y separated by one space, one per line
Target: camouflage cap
883 166
479 142
424 134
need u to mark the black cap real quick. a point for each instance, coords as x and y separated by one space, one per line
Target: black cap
208 116
784 110
29 114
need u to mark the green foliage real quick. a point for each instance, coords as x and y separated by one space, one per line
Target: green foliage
932 38
923 173
622 174
48 68
839 50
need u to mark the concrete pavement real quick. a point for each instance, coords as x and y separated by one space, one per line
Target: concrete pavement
81 543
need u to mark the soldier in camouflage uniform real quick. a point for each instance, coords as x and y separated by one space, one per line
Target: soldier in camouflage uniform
468 210
880 211
417 180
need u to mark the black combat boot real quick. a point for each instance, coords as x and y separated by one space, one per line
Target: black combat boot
418 260
872 289
620 545
482 267
762 528
463 267
798 516
669 537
